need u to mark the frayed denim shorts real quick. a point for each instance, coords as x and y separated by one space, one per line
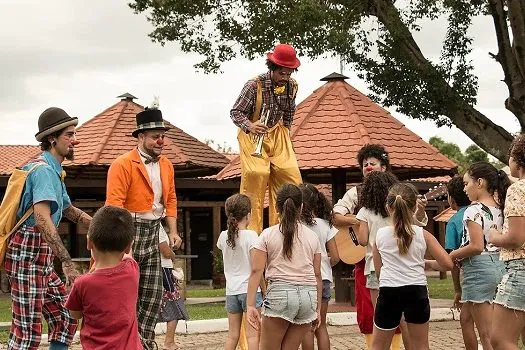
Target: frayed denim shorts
511 290
481 276
236 304
292 302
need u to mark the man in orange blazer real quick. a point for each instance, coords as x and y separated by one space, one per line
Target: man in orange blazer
143 182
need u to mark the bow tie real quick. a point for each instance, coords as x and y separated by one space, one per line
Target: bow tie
151 160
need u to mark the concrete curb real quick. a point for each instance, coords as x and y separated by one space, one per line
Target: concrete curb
221 324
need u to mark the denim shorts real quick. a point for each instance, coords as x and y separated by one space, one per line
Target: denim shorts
327 293
371 281
511 290
481 276
294 303
236 304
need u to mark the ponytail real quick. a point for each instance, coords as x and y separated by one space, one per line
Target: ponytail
401 202
237 207
503 185
233 231
289 201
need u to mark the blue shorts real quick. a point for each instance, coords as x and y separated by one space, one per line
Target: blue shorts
327 293
511 290
481 276
294 303
236 304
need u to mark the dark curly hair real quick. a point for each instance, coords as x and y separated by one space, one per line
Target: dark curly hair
315 205
517 150
497 180
374 150
237 207
374 191
272 66
455 190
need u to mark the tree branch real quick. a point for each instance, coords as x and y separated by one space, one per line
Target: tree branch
469 120
517 23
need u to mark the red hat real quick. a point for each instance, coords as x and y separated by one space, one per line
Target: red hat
284 55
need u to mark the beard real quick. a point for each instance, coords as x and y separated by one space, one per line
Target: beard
70 155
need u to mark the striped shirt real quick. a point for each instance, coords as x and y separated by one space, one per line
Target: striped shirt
281 106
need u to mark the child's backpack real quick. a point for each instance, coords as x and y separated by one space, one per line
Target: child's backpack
9 207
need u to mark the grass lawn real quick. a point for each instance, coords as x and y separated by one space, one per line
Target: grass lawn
440 289
205 293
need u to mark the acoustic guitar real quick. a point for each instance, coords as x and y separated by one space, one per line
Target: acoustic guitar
348 247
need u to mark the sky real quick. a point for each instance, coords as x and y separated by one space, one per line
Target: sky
80 55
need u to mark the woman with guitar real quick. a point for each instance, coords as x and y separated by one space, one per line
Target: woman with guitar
371 157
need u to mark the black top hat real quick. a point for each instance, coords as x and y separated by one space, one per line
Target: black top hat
149 119
51 120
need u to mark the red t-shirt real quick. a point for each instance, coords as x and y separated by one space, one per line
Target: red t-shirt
107 299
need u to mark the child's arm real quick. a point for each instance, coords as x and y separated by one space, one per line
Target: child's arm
362 233
436 250
433 265
166 251
378 263
457 286
262 282
514 239
77 315
475 245
332 252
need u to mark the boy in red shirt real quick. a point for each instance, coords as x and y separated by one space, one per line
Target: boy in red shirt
106 298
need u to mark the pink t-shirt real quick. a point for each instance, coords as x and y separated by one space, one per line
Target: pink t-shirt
298 270
107 299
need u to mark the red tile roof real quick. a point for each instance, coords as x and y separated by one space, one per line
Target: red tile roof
108 135
13 156
336 120
445 215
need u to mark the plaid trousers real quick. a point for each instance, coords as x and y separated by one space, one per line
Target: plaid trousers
36 289
146 253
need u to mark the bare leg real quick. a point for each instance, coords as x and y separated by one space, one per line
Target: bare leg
482 314
507 325
381 339
273 330
404 334
308 341
169 340
234 329
467 327
418 335
321 333
294 335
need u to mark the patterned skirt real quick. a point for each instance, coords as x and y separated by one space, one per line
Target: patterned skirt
172 307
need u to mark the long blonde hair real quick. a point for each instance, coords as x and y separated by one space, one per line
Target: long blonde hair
401 203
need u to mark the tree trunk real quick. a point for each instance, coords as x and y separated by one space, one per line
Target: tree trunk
489 136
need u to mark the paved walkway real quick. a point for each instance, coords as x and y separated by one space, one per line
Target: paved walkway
443 336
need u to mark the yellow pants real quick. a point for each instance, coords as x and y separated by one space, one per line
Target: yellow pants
278 166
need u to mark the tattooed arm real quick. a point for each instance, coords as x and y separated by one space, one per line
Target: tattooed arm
77 216
44 223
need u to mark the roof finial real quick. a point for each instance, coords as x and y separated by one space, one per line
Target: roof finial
127 97
334 76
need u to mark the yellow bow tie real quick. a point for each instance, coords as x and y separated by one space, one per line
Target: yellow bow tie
63 175
279 90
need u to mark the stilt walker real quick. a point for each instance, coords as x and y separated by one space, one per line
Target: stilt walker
264 113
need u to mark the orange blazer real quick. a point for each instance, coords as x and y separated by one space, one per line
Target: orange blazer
129 186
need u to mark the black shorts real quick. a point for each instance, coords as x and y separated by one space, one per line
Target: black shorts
393 302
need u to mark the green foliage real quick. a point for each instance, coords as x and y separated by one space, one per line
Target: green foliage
472 154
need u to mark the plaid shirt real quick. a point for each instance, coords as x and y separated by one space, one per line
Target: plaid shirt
281 106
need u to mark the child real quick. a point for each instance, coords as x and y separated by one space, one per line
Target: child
458 200
172 308
106 298
236 244
482 269
508 319
372 216
317 214
399 259
291 253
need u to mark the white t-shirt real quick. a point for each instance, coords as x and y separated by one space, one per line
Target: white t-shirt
487 218
375 222
237 266
163 237
324 233
401 270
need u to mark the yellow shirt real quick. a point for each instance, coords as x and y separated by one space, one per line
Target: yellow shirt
514 206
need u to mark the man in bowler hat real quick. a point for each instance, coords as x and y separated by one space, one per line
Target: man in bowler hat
143 182
36 289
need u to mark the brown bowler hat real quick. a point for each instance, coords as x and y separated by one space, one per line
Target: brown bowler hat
51 120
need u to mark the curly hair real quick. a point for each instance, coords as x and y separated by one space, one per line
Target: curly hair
517 150
455 191
237 207
374 191
376 151
272 66
315 205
